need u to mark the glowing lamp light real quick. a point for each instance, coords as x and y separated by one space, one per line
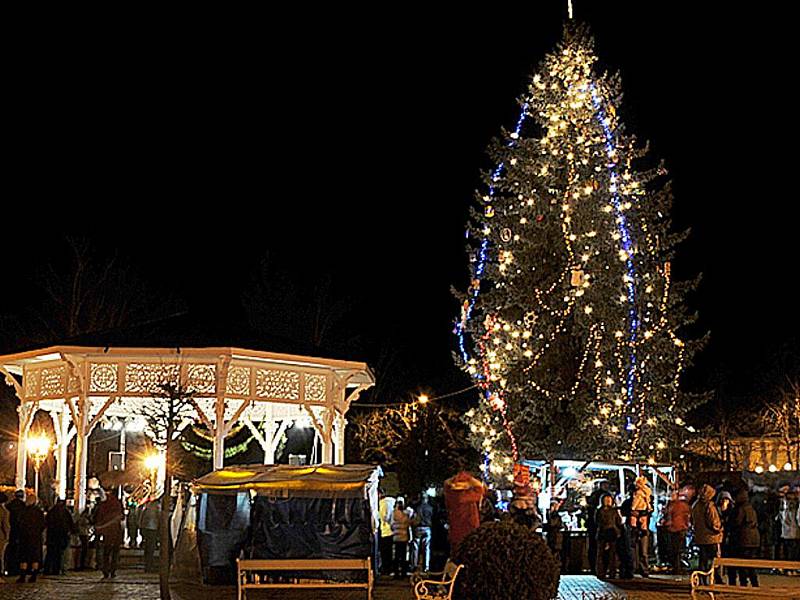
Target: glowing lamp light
37 447
153 462
759 469
773 469
787 466
423 399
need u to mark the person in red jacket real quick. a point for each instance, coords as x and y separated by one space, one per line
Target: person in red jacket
462 495
678 517
108 525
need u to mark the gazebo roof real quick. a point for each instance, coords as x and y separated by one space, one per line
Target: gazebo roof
359 372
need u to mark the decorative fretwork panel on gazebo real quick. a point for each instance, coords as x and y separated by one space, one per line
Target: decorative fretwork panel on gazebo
268 392
136 378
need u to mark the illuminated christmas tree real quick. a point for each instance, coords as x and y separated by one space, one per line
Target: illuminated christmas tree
569 324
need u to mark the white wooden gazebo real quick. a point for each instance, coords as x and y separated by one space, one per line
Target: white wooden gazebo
78 386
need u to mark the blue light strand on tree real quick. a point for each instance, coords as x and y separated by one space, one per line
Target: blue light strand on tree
483 254
626 246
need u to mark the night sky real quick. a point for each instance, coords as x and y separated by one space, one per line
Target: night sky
350 146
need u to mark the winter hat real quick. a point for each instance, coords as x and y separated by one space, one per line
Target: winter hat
723 495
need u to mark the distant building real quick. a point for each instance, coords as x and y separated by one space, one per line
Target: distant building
757 454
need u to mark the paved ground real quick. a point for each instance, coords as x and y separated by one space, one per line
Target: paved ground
135 585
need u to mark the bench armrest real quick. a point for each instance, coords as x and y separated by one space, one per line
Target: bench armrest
421 588
695 578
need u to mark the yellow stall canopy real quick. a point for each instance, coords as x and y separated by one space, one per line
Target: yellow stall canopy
322 481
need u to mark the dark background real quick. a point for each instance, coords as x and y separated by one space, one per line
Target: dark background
347 144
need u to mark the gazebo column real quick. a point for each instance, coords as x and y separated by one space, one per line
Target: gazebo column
83 429
339 426
218 444
61 426
327 436
325 430
26 412
218 449
22 462
80 416
221 428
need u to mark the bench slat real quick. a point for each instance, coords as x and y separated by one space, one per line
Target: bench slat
757 563
254 586
302 564
747 590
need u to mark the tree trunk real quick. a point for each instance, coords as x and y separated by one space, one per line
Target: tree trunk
164 553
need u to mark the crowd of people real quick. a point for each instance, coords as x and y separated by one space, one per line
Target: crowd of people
695 524
715 522
95 535
406 534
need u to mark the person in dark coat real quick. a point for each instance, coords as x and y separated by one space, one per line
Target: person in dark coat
5 530
132 521
31 527
624 549
149 521
108 525
725 507
59 527
745 539
609 530
554 528
12 551
707 530
592 504
767 511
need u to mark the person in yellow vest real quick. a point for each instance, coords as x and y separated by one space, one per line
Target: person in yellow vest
385 508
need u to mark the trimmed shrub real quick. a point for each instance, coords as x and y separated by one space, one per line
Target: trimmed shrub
506 561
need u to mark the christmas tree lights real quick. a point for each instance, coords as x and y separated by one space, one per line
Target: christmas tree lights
568 325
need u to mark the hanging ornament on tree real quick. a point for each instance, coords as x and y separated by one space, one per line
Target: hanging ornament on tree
505 235
529 319
496 402
539 218
489 212
577 277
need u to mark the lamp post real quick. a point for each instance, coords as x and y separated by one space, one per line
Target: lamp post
38 449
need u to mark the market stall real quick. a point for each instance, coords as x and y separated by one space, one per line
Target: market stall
283 511
577 486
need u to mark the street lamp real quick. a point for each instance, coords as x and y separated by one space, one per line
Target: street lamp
38 448
153 463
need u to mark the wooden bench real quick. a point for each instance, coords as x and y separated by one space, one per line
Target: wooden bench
251 574
712 588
